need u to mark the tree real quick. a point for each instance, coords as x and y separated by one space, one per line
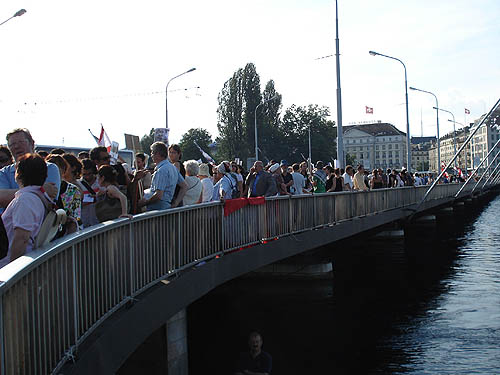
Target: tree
187 143
147 140
270 138
350 160
237 101
295 127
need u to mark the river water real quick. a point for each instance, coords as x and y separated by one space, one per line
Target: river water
427 304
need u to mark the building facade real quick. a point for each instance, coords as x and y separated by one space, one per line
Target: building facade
463 161
420 147
375 145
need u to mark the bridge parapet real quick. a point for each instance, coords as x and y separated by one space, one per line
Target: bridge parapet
52 299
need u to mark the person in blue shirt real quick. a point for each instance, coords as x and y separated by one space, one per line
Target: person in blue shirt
20 142
164 180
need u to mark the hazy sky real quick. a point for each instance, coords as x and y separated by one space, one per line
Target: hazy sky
69 66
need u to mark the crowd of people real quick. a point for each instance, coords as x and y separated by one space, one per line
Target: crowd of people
91 187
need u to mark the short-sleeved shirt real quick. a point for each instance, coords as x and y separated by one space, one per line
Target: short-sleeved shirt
299 183
261 363
228 184
25 211
165 178
348 180
8 180
208 189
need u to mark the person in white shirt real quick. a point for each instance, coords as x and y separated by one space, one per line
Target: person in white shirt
299 181
206 183
348 182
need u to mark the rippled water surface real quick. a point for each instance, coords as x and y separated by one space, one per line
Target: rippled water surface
429 304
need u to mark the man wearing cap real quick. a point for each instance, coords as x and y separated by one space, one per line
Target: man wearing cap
226 184
259 182
276 173
287 177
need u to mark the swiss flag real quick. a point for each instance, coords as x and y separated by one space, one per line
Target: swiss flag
369 110
467 112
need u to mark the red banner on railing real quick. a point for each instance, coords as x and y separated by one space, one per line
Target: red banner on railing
232 205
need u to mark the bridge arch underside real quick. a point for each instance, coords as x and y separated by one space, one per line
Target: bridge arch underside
107 349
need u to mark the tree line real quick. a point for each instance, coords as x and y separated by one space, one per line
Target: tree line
281 135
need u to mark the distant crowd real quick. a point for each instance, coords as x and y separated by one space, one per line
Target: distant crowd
91 187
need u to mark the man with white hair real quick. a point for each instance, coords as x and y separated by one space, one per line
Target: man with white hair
259 182
165 178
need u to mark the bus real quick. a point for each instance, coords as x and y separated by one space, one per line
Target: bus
126 155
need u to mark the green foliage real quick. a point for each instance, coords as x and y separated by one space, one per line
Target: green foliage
188 146
278 138
294 130
350 160
147 140
237 101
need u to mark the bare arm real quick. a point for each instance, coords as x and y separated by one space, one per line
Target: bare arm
6 195
115 193
182 191
19 243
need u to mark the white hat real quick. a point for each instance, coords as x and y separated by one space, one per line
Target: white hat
274 167
221 168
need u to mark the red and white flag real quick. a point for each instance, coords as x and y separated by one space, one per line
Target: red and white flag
467 112
369 110
104 139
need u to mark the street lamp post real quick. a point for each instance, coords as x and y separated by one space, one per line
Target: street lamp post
408 146
454 132
255 122
17 14
166 93
465 153
340 135
437 125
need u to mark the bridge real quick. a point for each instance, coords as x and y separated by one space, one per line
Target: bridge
86 302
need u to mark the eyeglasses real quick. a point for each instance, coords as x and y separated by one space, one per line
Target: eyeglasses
106 158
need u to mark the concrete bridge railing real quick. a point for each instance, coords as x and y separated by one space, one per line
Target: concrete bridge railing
52 299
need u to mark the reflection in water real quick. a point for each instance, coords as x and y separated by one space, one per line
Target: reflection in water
427 304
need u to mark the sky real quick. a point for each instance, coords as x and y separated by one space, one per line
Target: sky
68 66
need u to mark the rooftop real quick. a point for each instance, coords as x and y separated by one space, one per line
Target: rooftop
375 129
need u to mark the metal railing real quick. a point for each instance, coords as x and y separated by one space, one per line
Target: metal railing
52 299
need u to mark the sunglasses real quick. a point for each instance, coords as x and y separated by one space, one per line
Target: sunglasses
4 160
106 158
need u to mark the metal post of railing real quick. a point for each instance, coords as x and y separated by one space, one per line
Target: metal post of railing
477 168
314 211
456 155
487 169
179 231
75 295
223 241
131 239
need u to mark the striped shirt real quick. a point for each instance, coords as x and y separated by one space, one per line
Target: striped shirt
165 178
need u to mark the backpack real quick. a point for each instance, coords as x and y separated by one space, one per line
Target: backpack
234 189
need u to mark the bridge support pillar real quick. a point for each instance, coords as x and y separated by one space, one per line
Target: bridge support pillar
177 344
458 206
